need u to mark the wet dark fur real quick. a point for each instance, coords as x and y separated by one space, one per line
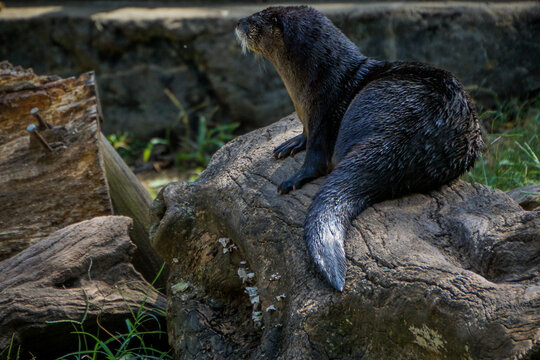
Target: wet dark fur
389 128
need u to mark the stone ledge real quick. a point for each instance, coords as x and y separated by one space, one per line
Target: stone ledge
137 52
136 11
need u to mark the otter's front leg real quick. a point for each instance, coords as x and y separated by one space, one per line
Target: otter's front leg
315 165
290 147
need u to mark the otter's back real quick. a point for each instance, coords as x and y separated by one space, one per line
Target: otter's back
413 123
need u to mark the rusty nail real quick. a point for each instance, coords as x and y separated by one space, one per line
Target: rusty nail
37 115
33 130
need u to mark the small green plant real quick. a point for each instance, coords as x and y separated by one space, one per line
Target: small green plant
127 146
513 145
150 146
127 345
196 148
206 142
10 353
194 141
130 344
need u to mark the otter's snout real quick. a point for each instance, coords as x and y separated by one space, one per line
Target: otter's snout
242 28
242 25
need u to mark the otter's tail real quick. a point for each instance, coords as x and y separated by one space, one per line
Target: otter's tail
339 200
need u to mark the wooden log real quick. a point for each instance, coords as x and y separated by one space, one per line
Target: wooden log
81 272
452 274
42 191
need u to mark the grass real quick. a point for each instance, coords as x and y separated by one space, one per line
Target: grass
189 141
12 352
196 147
513 145
188 144
132 343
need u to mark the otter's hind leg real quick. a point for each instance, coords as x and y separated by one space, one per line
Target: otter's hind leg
290 147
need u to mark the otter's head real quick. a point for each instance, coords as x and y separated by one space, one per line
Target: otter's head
296 39
292 32
261 32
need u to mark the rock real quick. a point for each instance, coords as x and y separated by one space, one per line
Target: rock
81 273
449 274
138 52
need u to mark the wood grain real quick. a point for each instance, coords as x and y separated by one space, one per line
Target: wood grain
42 191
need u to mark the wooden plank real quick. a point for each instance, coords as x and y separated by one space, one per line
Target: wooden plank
131 199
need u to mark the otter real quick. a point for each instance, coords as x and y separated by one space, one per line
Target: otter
382 129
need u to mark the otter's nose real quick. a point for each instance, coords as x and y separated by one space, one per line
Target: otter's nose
243 25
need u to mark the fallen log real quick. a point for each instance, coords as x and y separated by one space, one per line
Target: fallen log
528 197
63 171
449 274
80 273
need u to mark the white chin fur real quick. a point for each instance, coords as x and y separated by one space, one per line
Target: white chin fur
242 38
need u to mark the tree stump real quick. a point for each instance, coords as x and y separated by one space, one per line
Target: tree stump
42 191
80 273
78 177
449 274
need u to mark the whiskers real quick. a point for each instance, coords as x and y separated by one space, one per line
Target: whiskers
261 62
242 39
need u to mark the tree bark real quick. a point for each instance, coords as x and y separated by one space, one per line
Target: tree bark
449 274
80 273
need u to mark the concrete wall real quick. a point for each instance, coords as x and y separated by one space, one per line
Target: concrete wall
138 52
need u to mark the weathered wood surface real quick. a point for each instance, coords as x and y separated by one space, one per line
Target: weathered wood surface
131 199
42 191
528 197
81 271
452 274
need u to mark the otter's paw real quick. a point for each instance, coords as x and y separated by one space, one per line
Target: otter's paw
290 147
286 186
295 182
